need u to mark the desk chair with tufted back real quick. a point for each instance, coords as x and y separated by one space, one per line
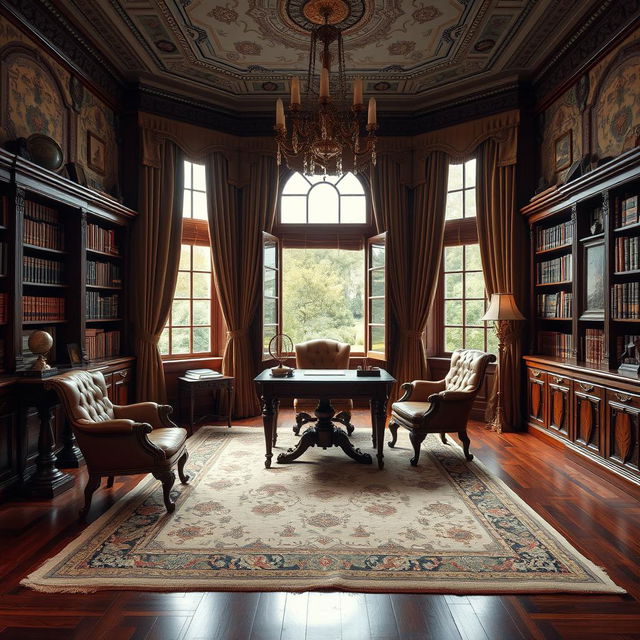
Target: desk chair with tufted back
322 354
441 406
120 440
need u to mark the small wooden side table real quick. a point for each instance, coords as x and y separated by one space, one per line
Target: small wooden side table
188 389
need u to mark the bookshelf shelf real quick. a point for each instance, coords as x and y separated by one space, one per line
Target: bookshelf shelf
45 285
42 322
94 320
564 283
34 247
630 228
632 272
100 287
104 254
561 248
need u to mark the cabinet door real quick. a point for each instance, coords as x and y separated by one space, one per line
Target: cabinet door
588 411
121 381
623 424
559 404
536 396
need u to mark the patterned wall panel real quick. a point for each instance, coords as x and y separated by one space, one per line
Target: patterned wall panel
40 96
601 110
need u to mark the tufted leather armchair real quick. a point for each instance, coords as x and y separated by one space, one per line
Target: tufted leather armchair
441 406
322 354
120 440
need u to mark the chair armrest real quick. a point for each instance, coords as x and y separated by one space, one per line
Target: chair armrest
420 390
451 396
157 415
111 427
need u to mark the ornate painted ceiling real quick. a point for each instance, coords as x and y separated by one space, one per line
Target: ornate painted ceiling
240 53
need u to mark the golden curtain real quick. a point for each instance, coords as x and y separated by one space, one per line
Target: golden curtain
237 218
503 248
414 250
155 253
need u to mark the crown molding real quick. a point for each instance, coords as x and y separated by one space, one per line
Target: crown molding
41 20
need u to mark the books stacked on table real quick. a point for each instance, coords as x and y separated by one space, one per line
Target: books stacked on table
201 374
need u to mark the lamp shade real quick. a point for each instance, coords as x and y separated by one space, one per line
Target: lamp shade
502 307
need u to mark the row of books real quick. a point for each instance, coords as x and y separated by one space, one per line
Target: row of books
101 239
100 307
625 352
3 308
103 274
552 237
555 305
593 346
625 211
555 343
42 226
42 308
627 253
101 344
4 262
556 270
42 271
625 301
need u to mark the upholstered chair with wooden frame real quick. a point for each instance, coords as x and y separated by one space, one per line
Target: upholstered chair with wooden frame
442 406
120 440
322 354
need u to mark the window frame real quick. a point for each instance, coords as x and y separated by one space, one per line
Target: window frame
457 232
195 232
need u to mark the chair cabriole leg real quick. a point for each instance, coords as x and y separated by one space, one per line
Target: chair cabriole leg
464 438
167 478
181 462
92 484
393 428
416 440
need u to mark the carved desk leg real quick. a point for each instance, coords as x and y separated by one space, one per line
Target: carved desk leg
70 456
378 419
268 417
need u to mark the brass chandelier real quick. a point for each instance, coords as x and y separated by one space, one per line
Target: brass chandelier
325 136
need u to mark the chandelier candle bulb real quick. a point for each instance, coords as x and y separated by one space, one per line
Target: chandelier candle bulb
280 124
372 112
324 83
357 92
295 90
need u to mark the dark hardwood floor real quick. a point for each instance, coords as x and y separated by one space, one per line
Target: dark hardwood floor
599 516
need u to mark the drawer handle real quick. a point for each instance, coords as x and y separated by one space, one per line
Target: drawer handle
535 373
622 398
557 380
585 387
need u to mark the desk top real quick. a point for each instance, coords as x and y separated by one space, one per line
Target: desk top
333 376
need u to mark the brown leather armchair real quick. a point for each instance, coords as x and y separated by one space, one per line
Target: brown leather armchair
322 354
441 406
120 440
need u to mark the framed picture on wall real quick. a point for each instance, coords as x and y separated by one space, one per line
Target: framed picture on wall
593 296
564 151
96 153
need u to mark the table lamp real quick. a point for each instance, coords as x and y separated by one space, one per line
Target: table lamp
502 309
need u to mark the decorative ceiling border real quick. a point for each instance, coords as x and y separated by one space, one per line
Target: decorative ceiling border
586 45
42 19
170 105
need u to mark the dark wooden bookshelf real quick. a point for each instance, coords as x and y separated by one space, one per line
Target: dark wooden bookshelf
584 399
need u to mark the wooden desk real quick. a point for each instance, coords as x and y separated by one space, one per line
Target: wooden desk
188 389
311 383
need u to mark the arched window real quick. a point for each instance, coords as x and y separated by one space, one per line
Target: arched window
323 200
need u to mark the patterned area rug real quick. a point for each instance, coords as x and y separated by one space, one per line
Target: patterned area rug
324 522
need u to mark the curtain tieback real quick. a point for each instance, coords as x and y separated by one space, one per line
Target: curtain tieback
149 338
412 335
237 333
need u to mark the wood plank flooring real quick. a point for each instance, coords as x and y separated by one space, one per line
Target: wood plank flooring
599 516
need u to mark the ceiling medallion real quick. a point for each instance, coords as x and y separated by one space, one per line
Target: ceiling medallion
334 11
308 14
328 133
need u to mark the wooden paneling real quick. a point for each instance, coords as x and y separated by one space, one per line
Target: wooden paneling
588 411
623 421
559 390
536 396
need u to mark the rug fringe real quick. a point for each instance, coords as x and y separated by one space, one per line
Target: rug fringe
30 584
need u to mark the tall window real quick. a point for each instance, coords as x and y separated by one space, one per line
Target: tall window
189 329
462 288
